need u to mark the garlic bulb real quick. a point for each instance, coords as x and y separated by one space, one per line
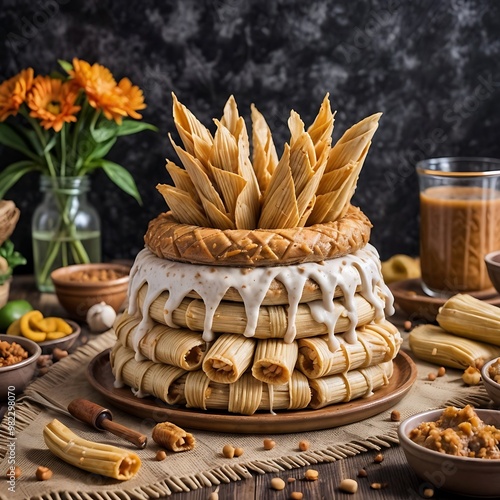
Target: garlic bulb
100 317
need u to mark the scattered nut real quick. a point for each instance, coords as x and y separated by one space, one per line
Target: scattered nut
378 486
395 416
269 444
311 475
304 445
441 371
296 495
161 455
43 473
362 473
407 325
431 377
479 363
228 451
379 458
13 472
471 376
44 360
428 493
238 452
348 485
277 483
291 480
59 353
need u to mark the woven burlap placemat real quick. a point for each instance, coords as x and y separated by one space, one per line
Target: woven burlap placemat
203 466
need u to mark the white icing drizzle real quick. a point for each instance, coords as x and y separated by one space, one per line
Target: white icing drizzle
361 269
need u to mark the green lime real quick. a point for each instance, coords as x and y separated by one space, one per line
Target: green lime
11 311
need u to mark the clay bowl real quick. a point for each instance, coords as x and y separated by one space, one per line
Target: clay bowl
493 265
475 477
492 387
15 378
80 286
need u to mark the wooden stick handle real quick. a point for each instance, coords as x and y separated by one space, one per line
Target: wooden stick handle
101 418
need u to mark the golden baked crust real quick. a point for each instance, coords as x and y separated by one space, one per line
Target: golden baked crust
168 239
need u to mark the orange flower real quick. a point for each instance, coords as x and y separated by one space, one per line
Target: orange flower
13 93
53 102
133 98
115 101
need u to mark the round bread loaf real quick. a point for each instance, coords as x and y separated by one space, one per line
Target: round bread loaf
171 240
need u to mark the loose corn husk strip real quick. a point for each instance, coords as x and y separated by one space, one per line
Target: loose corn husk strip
172 437
162 344
274 361
97 458
272 321
146 376
348 386
472 318
376 344
228 358
432 343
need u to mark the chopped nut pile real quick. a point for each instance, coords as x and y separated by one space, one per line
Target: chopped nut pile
11 353
494 371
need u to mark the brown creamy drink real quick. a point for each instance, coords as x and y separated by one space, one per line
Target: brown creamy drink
458 227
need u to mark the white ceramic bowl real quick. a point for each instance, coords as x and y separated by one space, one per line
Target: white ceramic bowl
475 477
15 378
492 387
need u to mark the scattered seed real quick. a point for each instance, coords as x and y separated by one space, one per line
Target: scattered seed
431 377
304 445
348 485
407 325
277 483
362 473
161 455
395 416
296 495
311 475
59 353
441 371
43 473
378 486
379 458
15 474
471 376
228 451
238 452
428 493
269 444
291 480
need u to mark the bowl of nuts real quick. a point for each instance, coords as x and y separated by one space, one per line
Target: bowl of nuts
455 449
490 373
18 357
79 287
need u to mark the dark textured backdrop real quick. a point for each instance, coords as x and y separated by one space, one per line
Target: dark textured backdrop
431 67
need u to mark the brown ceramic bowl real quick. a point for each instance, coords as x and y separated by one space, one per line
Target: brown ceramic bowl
78 294
15 378
475 477
493 265
492 387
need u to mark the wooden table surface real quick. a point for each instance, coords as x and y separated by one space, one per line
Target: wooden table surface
399 480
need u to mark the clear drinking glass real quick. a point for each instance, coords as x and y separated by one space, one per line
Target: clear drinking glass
459 223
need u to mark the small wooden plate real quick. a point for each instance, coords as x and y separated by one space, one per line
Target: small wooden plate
405 373
408 294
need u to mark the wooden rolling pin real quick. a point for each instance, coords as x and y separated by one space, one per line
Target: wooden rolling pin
102 419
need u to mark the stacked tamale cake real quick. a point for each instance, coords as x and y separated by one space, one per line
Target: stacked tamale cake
258 289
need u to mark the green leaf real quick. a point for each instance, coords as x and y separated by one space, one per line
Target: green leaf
12 257
132 127
101 150
121 177
65 65
10 138
11 174
50 144
106 131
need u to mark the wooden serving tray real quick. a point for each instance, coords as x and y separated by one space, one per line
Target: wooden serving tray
405 373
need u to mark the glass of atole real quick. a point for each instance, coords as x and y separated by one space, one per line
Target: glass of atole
459 223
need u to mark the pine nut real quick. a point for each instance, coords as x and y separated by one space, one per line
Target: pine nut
304 445
395 416
296 495
43 473
277 483
311 475
441 371
238 452
348 485
161 455
378 458
269 444
228 451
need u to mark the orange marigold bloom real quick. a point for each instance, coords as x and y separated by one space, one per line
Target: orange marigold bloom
53 102
13 93
115 101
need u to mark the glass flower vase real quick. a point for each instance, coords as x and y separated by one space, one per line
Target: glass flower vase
66 228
